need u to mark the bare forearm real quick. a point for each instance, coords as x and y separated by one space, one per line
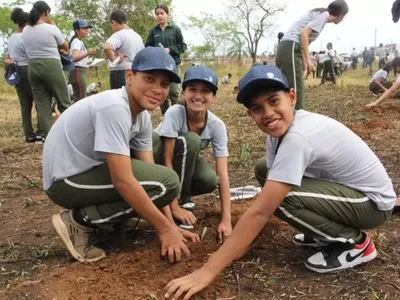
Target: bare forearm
80 57
109 53
305 51
225 197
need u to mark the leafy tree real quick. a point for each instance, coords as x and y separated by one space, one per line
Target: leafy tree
202 52
7 27
215 31
254 19
238 48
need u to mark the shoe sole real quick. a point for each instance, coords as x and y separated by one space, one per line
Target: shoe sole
315 245
62 231
354 263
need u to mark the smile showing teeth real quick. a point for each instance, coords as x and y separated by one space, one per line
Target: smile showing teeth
273 123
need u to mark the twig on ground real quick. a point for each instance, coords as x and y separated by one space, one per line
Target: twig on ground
236 278
389 283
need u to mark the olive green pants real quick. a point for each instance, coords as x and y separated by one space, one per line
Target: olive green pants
117 79
376 89
99 202
196 176
25 96
173 95
326 210
291 64
77 78
328 69
48 81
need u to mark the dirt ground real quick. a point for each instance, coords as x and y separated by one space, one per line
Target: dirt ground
34 264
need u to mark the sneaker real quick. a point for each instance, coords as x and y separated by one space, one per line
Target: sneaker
39 139
30 139
77 238
188 205
306 241
340 256
396 210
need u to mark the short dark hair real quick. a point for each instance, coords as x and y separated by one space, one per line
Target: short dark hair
229 74
39 7
118 16
208 84
163 7
335 8
18 16
387 67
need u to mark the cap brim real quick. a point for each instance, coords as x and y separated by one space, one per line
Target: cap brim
265 83
396 17
212 85
173 77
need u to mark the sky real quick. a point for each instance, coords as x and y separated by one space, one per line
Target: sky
356 31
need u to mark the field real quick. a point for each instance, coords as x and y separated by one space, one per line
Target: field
34 264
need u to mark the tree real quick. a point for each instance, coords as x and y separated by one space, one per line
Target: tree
7 27
255 20
140 16
238 48
215 31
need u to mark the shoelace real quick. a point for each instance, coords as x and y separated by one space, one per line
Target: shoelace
90 239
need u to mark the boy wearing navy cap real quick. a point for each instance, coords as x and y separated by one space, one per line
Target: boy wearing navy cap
187 129
87 167
318 176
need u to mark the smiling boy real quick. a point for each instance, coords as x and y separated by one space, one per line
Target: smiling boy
87 167
318 176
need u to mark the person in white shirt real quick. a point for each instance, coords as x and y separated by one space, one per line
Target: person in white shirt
379 83
329 65
121 48
381 52
93 88
354 58
80 55
226 79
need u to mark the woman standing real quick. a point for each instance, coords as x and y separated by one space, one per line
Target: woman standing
17 55
80 54
170 38
293 58
44 69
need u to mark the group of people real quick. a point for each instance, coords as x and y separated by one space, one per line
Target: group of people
104 163
41 63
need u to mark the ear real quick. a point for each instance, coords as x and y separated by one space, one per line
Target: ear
293 97
129 76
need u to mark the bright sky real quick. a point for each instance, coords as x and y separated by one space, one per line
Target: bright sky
357 30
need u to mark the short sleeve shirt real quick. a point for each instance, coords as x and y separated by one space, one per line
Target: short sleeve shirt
314 20
174 124
47 45
90 128
77 44
16 49
316 146
129 43
379 74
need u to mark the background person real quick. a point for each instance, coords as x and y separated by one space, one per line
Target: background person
16 54
125 43
379 83
381 53
168 36
44 68
80 55
293 50
329 67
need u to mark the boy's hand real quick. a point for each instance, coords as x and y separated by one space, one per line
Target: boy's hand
194 237
173 244
224 230
183 215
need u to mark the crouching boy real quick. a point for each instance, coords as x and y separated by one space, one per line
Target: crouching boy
87 167
318 176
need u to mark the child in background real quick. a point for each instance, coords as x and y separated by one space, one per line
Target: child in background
226 79
379 83
187 129
93 88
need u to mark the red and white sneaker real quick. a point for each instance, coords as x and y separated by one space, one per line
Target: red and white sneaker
340 256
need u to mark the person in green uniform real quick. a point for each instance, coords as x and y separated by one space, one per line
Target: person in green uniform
16 54
169 37
44 68
293 50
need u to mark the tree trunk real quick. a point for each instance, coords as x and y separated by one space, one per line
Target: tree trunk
254 57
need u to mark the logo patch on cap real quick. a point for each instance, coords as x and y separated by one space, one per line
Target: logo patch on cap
170 67
210 79
270 75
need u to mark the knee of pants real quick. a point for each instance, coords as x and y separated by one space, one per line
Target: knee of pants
261 171
189 141
170 183
208 184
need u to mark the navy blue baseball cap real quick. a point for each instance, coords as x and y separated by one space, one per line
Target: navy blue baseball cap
155 59
12 75
80 24
201 73
265 76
